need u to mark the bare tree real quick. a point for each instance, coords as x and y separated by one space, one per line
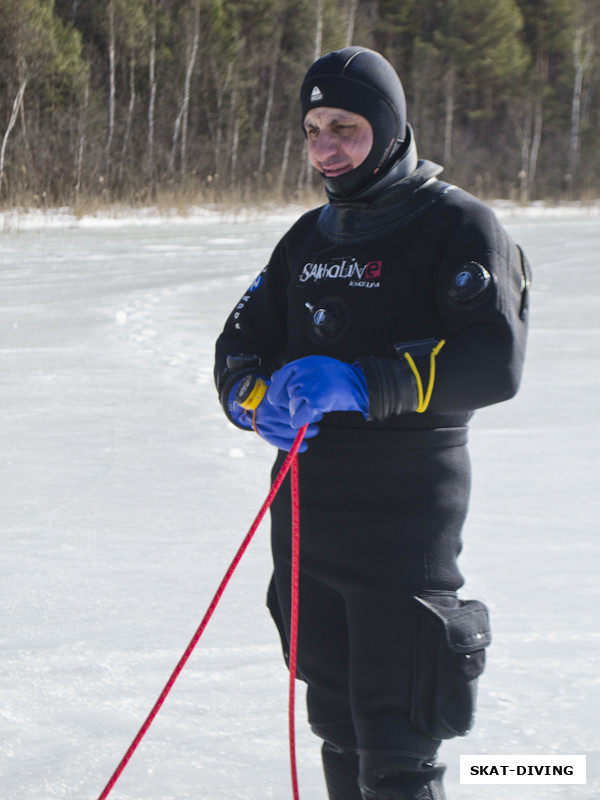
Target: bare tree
352 6
450 81
81 140
221 87
130 109
181 121
529 133
16 107
235 144
111 83
267 116
319 30
305 174
582 58
152 96
285 160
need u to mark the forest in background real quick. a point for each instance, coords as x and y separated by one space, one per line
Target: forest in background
187 101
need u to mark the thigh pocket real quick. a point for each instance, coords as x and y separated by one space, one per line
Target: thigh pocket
448 656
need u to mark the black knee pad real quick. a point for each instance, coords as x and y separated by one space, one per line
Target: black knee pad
400 777
449 655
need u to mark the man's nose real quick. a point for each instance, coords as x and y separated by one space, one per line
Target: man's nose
326 145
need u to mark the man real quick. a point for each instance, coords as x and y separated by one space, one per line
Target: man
382 320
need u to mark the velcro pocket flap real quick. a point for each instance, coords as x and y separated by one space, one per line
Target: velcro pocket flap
466 626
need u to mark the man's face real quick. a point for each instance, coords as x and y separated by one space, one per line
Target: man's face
337 140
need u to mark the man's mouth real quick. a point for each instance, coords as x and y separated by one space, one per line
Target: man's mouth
333 170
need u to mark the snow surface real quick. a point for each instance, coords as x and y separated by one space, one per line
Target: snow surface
124 494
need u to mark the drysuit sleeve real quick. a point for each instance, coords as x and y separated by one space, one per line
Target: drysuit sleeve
254 336
481 295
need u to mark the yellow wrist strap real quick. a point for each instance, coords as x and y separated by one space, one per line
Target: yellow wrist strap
254 399
423 401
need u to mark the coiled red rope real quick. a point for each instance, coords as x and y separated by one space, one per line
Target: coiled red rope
290 462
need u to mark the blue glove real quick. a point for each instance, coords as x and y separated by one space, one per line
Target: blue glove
271 422
315 385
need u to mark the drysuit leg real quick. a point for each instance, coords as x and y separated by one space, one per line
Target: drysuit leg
396 777
341 773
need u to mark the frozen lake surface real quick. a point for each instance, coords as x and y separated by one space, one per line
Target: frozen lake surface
124 494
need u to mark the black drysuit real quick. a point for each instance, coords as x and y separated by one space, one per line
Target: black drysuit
389 653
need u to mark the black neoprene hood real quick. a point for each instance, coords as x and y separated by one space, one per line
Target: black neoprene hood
362 81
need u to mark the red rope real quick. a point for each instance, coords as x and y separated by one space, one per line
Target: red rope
290 461
294 622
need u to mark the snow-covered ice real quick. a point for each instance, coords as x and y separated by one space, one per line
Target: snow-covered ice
124 494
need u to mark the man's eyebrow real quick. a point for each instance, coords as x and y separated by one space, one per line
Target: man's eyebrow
334 121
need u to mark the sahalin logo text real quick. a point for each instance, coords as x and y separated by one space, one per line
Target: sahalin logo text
355 274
